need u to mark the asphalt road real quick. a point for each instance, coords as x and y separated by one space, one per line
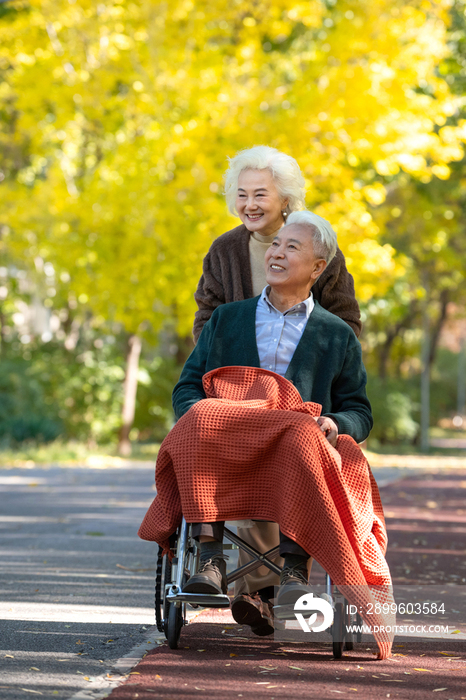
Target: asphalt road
216 658
76 583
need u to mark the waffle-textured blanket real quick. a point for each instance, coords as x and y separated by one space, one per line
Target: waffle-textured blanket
253 449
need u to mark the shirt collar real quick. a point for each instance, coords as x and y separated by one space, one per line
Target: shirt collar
307 304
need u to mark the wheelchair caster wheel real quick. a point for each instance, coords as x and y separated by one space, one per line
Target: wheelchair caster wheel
174 624
359 624
338 630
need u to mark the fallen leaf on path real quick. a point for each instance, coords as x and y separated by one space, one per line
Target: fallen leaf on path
423 669
196 688
159 678
28 690
269 668
436 690
34 668
297 668
126 568
399 654
336 691
200 649
232 654
9 656
456 632
134 673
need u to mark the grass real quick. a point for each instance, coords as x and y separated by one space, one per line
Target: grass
72 452
79 453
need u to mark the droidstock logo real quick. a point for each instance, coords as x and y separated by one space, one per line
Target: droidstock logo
308 604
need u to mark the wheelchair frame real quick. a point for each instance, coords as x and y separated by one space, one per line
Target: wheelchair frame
170 601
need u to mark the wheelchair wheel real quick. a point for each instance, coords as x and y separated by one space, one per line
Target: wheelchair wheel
359 624
338 630
163 577
174 625
349 641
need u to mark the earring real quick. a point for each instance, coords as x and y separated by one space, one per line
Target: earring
284 214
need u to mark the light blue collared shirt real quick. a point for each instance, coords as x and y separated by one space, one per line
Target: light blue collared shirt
277 333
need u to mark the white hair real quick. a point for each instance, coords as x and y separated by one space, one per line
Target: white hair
324 237
284 169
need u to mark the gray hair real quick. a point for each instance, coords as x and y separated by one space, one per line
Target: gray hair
324 237
285 172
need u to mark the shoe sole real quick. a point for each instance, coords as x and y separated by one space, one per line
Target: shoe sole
202 588
246 614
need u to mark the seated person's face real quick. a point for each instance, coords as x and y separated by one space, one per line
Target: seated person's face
290 263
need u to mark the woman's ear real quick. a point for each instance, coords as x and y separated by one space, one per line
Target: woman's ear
285 203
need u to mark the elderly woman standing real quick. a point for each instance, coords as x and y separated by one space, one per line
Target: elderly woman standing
262 186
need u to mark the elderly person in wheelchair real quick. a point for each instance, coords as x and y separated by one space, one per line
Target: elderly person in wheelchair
285 331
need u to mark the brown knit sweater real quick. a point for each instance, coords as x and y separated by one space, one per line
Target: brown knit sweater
227 277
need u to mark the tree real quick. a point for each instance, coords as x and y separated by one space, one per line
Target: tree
117 119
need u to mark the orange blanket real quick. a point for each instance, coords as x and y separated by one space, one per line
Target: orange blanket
253 449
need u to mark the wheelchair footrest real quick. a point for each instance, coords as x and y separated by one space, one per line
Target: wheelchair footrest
284 612
205 600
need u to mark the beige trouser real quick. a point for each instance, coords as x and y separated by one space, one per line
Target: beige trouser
263 536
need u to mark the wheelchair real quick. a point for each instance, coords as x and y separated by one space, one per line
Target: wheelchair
171 603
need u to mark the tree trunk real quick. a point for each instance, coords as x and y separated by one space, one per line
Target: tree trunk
425 374
444 300
130 389
384 352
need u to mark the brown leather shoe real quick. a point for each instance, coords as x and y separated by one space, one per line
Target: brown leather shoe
293 584
210 578
250 609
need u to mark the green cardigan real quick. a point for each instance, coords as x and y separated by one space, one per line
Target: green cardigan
326 366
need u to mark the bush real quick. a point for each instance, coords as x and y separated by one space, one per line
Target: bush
393 410
25 412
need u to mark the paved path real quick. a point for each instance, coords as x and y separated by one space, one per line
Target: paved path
77 595
426 517
76 584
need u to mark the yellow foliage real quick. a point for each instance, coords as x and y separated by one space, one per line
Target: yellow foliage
129 110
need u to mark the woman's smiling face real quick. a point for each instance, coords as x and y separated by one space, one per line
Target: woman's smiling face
258 202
